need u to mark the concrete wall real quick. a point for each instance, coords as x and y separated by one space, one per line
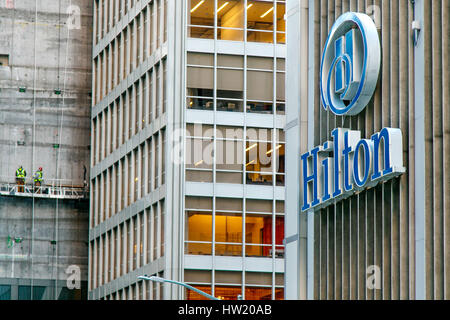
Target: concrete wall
45 55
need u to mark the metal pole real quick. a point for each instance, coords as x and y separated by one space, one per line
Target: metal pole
159 279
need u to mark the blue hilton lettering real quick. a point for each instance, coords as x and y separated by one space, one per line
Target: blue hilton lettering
355 164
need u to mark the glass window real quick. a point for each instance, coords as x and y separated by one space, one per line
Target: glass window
258 233
198 232
228 277
200 59
5 292
228 292
200 83
259 163
198 276
201 19
230 83
260 21
199 130
229 155
135 243
258 278
260 63
230 20
260 86
258 293
264 158
230 61
229 177
281 23
25 292
229 204
258 205
162 237
199 153
201 203
199 176
279 294
155 231
192 295
228 229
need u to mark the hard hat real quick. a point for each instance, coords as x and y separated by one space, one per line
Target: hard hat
40 168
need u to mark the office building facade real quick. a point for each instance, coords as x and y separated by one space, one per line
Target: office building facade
389 240
187 168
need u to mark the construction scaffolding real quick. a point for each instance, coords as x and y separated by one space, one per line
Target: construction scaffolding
56 189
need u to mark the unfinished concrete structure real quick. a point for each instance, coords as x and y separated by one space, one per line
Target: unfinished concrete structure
45 84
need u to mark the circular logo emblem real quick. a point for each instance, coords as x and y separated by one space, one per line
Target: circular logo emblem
350 64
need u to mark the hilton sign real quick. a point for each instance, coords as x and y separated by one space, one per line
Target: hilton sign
348 76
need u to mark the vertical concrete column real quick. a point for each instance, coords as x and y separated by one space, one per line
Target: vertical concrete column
105 250
95 266
294 274
419 173
146 217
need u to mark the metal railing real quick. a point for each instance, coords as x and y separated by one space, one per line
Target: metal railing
53 189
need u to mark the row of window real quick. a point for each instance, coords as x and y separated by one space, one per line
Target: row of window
224 85
25 292
229 284
238 20
230 230
260 235
107 13
132 111
141 290
233 292
223 156
138 173
128 50
127 247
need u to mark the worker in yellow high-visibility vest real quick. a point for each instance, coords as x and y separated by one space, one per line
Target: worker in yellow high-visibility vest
20 178
38 180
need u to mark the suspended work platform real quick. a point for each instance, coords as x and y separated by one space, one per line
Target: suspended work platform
55 190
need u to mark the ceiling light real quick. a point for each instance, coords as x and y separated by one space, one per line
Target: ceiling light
223 6
198 5
251 147
199 163
251 162
267 12
271 150
249 6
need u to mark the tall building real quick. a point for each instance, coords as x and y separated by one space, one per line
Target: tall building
45 85
187 166
387 236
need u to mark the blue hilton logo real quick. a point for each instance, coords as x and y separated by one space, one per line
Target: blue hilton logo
347 164
348 77
350 64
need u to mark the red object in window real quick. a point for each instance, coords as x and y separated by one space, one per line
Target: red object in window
9 4
267 234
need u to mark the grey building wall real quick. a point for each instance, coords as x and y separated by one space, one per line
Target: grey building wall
51 63
401 226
